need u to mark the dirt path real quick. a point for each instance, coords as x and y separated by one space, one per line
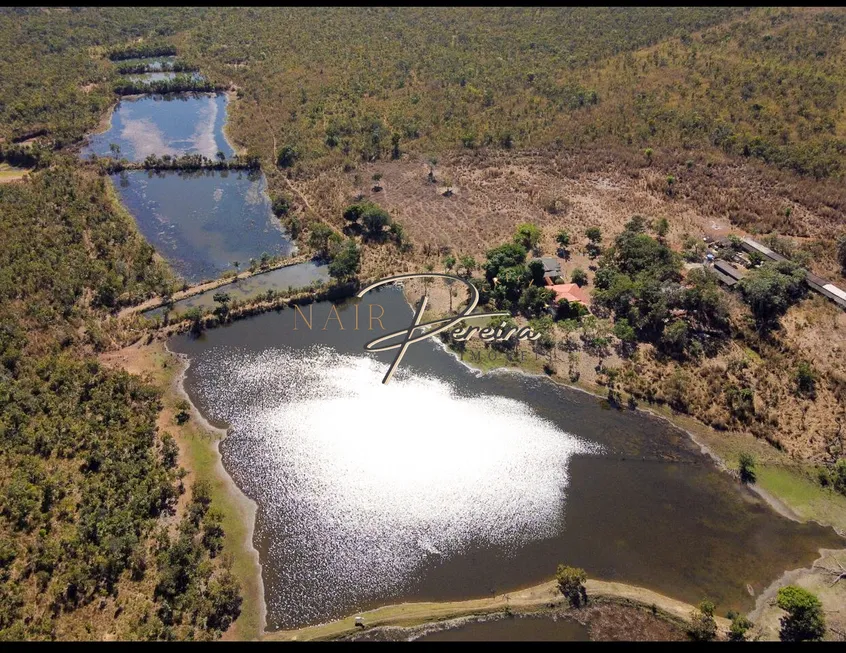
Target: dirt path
526 600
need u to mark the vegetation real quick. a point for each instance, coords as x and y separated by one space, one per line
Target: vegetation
346 262
771 289
804 621
747 467
90 479
703 626
179 84
740 625
571 583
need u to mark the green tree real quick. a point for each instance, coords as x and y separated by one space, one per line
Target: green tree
703 626
500 258
662 227
287 156
449 262
527 236
536 270
374 220
675 337
318 239
841 253
806 379
346 262
804 621
771 289
534 300
740 625
624 331
746 465
579 277
563 239
594 235
466 265
571 583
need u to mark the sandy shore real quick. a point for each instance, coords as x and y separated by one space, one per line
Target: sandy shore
532 599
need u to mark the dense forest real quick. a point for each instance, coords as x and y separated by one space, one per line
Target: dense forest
87 478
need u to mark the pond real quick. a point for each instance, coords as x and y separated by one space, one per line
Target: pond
445 485
512 629
174 124
202 222
296 276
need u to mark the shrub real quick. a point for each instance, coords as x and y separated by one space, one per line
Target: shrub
579 277
747 468
703 626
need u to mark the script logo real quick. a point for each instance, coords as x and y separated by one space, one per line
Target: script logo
488 334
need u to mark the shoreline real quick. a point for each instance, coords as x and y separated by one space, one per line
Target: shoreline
779 505
537 599
246 507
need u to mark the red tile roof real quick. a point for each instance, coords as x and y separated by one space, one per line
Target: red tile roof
571 292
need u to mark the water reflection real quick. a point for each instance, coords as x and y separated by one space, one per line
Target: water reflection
202 222
176 124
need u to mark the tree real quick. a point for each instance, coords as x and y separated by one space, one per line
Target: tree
624 331
841 253
563 239
347 261
375 219
703 626
527 236
536 270
675 337
281 206
221 298
804 621
571 583
579 277
746 464
502 257
182 414
535 299
771 289
662 227
354 212
449 262
318 240
466 265
594 235
287 157
739 626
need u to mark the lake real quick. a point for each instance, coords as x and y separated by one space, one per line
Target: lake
445 484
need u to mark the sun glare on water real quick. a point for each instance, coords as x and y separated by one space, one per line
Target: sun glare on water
362 484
